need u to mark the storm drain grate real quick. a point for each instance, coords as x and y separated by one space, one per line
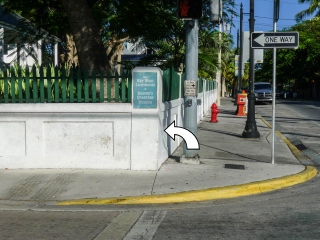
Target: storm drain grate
234 166
301 147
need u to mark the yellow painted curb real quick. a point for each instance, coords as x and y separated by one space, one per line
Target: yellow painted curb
206 194
295 151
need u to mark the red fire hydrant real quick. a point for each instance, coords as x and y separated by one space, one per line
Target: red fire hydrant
214 112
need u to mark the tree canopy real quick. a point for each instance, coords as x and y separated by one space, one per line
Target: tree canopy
153 23
314 7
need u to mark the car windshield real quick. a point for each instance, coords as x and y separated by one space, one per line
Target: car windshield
262 86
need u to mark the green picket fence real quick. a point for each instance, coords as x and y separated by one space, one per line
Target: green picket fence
52 85
170 86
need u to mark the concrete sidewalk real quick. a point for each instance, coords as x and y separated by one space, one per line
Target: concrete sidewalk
220 144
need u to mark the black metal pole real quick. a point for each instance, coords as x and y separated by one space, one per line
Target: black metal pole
251 130
235 95
241 49
240 61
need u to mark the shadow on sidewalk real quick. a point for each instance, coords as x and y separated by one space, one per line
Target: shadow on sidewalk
245 157
222 132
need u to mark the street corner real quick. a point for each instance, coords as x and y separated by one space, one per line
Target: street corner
205 194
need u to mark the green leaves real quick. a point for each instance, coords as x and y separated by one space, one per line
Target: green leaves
302 64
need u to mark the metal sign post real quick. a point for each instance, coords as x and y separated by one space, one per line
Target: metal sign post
274 40
274 81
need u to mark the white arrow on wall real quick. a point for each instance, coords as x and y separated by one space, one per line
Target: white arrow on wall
190 139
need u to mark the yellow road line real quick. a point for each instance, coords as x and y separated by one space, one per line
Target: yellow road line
295 151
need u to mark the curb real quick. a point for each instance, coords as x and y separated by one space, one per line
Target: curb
206 194
212 193
295 151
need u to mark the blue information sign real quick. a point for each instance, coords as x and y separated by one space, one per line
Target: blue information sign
145 90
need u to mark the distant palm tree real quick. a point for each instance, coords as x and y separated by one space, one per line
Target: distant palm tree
314 7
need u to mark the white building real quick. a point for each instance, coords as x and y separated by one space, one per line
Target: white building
18 42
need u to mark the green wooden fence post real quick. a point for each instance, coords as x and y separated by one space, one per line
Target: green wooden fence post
13 86
34 84
79 85
94 89
6 87
101 86
116 81
20 99
86 86
123 88
56 84
109 86
41 85
71 97
129 87
27 85
49 82
64 84
182 84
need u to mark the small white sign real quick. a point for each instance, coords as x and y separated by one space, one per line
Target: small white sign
190 88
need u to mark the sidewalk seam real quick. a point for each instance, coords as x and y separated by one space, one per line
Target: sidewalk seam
154 181
295 151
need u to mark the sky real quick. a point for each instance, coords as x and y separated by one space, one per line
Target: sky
263 12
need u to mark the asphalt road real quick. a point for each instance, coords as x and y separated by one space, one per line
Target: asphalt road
299 121
291 213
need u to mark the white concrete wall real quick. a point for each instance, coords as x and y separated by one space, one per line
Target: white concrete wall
92 135
65 135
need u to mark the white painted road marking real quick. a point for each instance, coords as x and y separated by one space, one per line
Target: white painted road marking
120 226
146 226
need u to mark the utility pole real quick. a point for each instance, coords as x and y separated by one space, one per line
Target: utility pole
190 11
219 59
251 130
190 103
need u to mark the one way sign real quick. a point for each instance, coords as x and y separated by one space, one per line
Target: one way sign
275 40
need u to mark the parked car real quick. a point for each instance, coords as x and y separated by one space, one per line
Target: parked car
280 93
263 91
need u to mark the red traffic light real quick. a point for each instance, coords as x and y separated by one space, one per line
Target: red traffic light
190 9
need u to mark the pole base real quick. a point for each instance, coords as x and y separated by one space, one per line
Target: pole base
193 161
251 131
251 134
214 121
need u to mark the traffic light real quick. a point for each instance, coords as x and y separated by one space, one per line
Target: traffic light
215 11
190 9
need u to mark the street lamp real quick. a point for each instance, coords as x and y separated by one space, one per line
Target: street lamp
251 130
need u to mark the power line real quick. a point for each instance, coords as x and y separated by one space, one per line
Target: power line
279 18
282 2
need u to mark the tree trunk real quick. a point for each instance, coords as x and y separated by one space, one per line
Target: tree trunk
91 52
